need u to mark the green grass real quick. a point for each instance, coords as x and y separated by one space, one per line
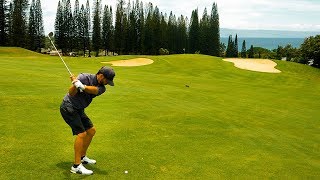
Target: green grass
229 123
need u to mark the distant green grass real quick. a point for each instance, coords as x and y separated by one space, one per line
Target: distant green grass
229 123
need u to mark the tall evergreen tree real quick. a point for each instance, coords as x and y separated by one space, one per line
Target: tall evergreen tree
77 23
251 52
3 33
119 39
235 49
156 31
87 27
107 28
194 32
181 35
244 49
40 37
164 32
58 26
140 28
148 36
96 33
19 24
204 35
32 27
214 39
172 28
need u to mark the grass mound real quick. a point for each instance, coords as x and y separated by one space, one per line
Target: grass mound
182 117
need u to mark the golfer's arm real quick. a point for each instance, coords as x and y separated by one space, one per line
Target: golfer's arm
72 90
91 90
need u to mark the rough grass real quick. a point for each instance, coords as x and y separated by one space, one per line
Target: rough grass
229 123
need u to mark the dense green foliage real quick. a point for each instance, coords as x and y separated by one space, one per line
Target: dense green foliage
227 123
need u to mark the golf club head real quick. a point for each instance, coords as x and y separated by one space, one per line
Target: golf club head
50 34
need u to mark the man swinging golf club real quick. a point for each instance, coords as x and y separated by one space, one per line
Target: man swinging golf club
83 89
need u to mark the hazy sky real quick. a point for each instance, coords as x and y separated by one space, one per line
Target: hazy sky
296 15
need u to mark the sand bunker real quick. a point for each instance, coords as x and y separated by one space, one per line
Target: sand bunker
131 62
260 65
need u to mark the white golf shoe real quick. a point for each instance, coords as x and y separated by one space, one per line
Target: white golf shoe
81 170
86 160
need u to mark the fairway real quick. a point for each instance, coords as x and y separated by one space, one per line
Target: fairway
181 117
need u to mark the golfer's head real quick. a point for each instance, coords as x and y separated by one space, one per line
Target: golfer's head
108 74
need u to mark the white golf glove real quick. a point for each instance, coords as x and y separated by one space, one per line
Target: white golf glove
79 85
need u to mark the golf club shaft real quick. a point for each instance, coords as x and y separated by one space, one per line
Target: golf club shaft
60 57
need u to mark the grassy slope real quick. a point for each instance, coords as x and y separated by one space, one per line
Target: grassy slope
228 123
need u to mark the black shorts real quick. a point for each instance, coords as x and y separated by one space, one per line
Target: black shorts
75 118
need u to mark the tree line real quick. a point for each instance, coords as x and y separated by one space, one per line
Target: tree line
137 29
18 30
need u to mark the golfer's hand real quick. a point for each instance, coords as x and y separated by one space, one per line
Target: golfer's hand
78 85
73 78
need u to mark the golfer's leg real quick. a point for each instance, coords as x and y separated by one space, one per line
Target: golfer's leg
87 140
78 147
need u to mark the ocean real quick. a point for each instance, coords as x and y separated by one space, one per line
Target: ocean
268 43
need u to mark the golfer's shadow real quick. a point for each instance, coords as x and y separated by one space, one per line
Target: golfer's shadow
65 166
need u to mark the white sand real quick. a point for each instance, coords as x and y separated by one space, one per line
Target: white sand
260 65
131 62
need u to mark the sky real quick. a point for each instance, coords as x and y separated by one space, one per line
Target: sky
293 15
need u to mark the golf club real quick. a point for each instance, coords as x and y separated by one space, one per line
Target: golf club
50 35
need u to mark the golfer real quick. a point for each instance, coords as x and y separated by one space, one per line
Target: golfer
83 89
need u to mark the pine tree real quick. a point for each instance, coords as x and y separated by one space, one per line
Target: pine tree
194 32
164 32
119 39
19 24
40 37
251 52
32 27
230 47
181 35
107 29
214 41
3 33
87 28
204 36
244 49
156 31
96 33
235 49
148 37
58 33
77 23
141 29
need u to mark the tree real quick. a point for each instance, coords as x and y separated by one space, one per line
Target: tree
3 33
181 35
215 31
35 27
194 32
119 38
19 24
107 29
244 49
32 28
96 33
310 51
236 48
204 36
251 52
230 52
77 23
